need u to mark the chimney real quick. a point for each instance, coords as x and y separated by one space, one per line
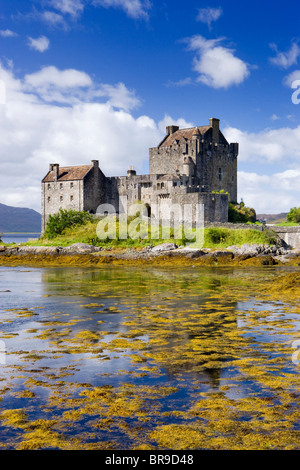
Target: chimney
171 129
131 171
55 167
95 164
215 124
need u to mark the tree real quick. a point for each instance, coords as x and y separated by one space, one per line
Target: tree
57 223
294 215
240 213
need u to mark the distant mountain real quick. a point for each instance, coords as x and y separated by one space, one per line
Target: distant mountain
19 219
273 218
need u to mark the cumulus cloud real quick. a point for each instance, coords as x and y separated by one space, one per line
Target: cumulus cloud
208 15
134 8
291 78
40 44
169 121
216 65
285 59
7 33
35 132
269 194
277 191
269 146
72 86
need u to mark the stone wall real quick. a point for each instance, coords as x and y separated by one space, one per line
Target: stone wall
212 165
290 235
56 194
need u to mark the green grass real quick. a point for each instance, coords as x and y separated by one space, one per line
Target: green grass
287 224
213 238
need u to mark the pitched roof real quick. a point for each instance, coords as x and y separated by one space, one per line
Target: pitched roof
68 173
183 133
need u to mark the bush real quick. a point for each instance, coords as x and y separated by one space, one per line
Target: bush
57 223
240 213
294 215
216 235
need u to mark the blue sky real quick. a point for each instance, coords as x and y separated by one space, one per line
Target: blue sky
86 79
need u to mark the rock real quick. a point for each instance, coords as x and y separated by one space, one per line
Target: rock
221 254
164 247
80 248
190 252
38 249
247 250
2 247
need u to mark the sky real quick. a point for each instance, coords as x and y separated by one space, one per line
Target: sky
101 79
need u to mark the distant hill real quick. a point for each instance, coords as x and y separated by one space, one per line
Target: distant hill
19 219
273 218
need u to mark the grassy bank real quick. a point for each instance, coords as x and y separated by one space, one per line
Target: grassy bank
213 238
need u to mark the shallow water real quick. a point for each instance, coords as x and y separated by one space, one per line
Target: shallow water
128 358
18 237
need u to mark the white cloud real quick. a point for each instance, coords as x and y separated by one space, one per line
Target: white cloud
134 8
169 121
285 59
34 133
276 191
270 194
269 146
119 96
40 44
180 83
7 33
291 78
208 15
216 65
52 19
72 86
71 7
51 76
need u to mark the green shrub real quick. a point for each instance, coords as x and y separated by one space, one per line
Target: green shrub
57 223
240 213
294 215
216 235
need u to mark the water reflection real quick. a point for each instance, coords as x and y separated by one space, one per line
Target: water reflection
197 330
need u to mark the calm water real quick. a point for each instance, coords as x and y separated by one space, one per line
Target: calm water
18 237
110 355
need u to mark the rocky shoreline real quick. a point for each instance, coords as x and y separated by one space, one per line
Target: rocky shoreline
166 253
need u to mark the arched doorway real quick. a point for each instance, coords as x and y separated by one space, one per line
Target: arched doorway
148 207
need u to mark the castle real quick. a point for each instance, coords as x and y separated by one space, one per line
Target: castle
189 167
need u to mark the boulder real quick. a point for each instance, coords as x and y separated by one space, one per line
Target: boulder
164 247
80 248
38 249
247 250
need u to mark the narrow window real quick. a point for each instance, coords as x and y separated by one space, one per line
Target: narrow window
71 198
61 198
49 186
186 148
49 199
71 185
220 174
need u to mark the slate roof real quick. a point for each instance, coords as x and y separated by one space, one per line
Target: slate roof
68 173
183 133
